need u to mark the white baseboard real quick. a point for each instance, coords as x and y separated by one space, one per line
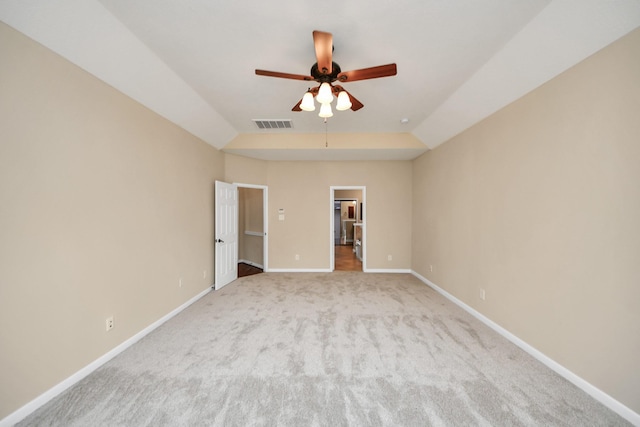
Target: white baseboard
590 389
327 270
387 270
45 397
251 263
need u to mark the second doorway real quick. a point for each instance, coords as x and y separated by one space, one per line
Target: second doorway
348 229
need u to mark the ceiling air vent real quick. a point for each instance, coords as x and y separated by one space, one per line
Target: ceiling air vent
273 124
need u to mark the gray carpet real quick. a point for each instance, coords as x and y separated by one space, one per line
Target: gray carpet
307 349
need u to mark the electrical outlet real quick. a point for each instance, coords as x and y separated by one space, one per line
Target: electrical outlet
482 294
109 323
297 257
431 268
204 274
180 282
389 257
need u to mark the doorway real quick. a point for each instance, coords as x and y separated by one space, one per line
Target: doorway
348 228
252 229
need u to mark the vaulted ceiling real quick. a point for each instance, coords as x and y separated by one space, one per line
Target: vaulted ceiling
193 62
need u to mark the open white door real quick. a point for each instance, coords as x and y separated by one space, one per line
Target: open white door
226 221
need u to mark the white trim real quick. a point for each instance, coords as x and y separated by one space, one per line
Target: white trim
299 270
388 270
54 391
608 401
251 263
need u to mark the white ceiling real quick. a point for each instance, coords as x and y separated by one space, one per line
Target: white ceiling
193 61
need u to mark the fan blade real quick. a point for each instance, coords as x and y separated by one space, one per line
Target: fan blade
355 104
323 43
283 75
368 73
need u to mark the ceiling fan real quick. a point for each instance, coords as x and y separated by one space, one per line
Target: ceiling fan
326 72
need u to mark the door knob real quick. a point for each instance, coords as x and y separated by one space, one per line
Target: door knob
219 241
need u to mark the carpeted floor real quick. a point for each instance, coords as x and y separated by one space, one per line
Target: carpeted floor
324 349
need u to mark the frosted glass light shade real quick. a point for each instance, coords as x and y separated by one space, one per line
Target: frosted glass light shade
307 103
325 111
344 103
324 94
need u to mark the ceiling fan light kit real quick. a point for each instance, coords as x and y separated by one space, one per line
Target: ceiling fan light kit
325 111
325 95
326 72
344 103
307 103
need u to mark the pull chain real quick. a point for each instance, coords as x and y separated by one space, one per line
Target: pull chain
326 139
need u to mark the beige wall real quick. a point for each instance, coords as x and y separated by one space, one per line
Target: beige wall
302 189
349 194
318 141
243 170
103 207
540 206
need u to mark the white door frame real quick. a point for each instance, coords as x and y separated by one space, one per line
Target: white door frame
265 220
332 199
226 234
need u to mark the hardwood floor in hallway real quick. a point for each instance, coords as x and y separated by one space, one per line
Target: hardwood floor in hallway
247 270
346 259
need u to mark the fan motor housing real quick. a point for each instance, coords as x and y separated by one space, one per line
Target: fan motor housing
325 78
